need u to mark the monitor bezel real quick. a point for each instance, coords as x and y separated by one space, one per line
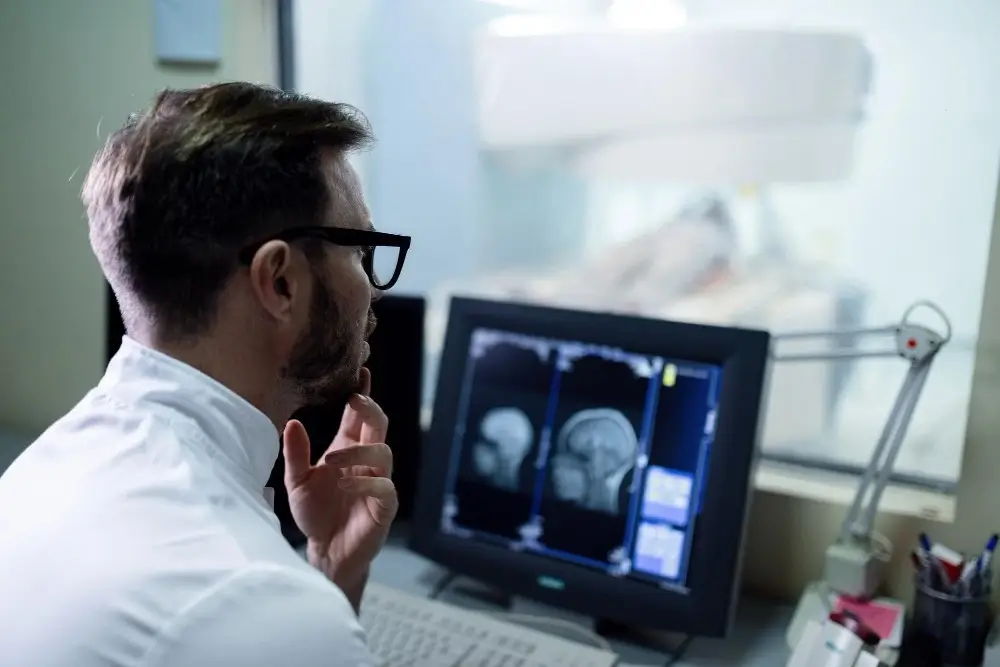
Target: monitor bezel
707 610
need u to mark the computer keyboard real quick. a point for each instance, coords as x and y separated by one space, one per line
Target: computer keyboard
409 631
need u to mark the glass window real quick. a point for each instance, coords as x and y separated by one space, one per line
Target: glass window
766 163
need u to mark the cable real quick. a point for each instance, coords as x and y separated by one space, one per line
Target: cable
540 622
673 658
442 585
678 653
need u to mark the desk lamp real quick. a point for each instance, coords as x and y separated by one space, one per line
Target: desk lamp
855 561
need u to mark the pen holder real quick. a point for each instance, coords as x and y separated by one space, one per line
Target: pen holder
957 628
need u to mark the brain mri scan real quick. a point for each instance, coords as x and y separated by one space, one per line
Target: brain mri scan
505 438
595 449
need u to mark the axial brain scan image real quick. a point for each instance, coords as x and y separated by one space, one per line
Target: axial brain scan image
595 449
505 438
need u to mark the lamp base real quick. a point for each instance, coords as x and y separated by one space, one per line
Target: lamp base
854 568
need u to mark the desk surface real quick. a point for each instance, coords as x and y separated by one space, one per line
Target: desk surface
758 638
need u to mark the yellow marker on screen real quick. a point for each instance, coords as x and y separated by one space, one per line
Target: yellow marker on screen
669 375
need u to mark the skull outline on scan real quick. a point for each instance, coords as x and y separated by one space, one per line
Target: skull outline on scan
505 438
595 450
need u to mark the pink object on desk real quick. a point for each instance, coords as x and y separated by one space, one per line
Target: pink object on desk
882 617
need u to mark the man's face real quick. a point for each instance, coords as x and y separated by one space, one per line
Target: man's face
325 362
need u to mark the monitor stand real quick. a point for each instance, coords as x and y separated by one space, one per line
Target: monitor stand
654 641
609 630
486 595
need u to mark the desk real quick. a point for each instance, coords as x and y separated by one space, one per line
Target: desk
758 638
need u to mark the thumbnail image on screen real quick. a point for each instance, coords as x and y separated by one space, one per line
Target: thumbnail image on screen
584 453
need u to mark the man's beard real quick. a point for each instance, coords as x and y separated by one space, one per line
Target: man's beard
326 362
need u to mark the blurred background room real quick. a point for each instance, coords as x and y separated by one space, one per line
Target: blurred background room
776 164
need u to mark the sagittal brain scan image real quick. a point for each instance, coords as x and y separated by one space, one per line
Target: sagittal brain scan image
505 438
594 451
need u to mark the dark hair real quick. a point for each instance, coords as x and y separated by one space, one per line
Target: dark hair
179 190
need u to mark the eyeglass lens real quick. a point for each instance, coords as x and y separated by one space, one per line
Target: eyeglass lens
384 261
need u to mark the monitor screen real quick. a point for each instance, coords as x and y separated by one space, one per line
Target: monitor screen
557 434
597 462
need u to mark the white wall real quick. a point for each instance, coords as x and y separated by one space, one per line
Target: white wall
70 71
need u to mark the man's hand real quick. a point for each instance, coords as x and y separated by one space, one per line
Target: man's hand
345 504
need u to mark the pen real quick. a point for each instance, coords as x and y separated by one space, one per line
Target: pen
936 566
984 560
984 571
970 572
925 544
920 567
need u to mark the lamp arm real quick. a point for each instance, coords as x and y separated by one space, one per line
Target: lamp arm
910 393
860 518
832 355
913 342
836 354
854 563
836 333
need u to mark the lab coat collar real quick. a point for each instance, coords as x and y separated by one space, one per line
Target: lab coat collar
237 434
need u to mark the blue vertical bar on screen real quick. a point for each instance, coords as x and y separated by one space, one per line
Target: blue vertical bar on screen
697 493
545 442
706 442
645 440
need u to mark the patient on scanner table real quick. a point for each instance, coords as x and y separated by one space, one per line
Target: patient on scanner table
505 438
698 266
681 257
595 449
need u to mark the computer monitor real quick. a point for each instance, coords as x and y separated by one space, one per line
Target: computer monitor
596 462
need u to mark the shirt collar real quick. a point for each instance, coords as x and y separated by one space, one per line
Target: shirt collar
242 436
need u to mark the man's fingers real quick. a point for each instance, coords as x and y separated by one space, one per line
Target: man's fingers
295 443
381 490
366 382
363 419
374 422
377 456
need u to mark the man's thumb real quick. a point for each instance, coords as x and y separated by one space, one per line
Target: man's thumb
297 454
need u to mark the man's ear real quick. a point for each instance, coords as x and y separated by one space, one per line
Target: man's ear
274 280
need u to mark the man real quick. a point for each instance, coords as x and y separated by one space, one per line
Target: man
136 531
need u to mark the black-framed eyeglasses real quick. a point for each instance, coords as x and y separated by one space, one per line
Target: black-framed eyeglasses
388 261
